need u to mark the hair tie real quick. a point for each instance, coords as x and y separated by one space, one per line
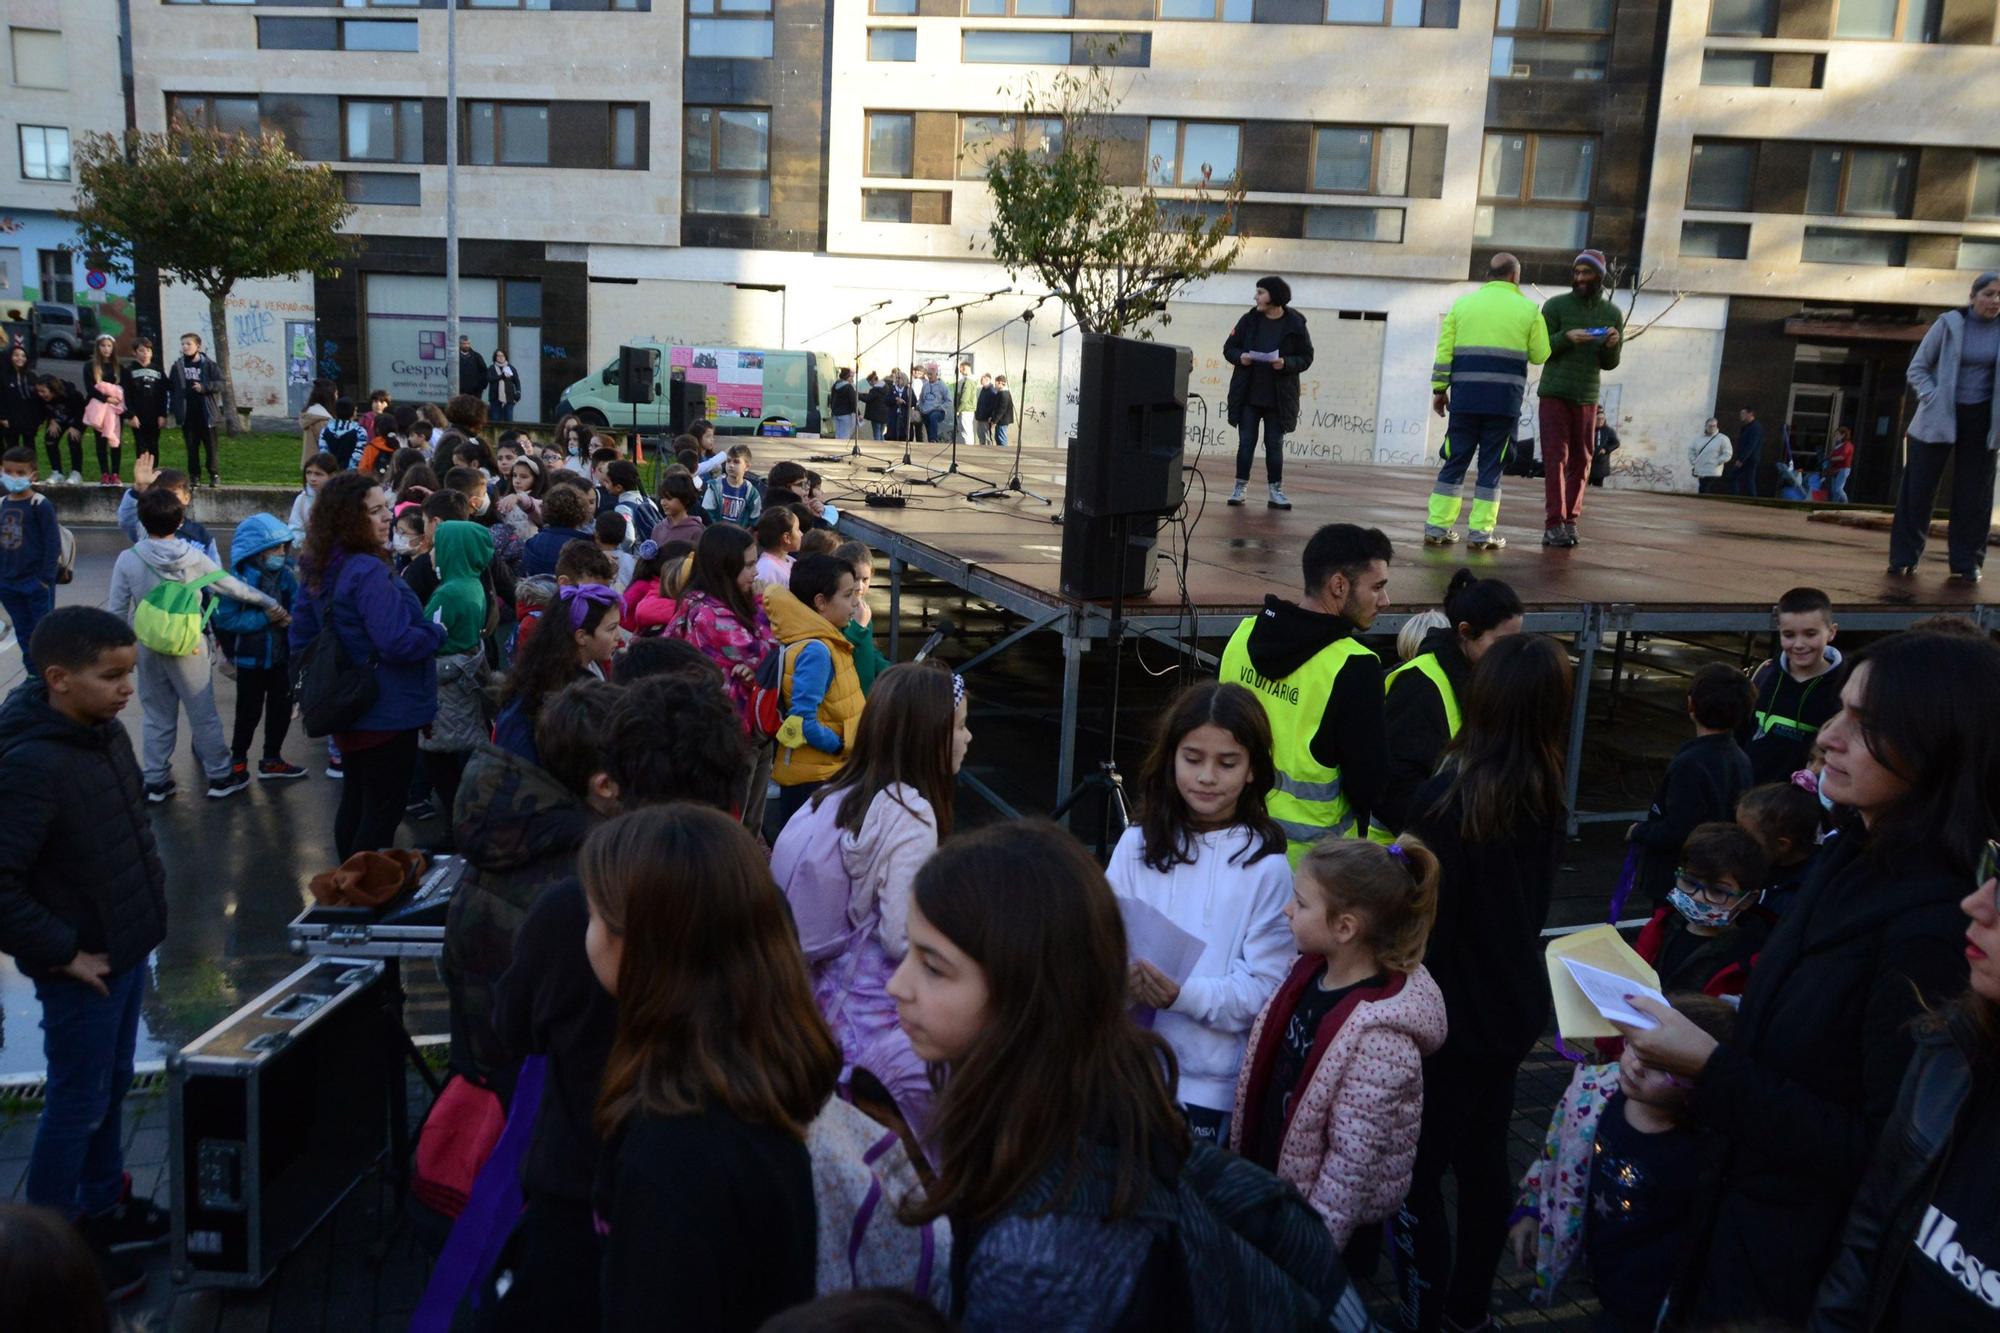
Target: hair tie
957 689
1402 858
580 597
649 549
1806 780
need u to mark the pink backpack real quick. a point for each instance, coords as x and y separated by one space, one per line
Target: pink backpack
808 866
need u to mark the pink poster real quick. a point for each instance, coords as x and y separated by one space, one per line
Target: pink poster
734 379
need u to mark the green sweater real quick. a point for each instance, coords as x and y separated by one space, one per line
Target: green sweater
868 660
1572 369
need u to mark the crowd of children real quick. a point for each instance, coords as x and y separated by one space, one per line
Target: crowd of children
1195 1089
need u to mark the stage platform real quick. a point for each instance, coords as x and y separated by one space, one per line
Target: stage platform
1649 563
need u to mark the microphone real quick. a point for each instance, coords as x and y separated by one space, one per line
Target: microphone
1002 292
944 627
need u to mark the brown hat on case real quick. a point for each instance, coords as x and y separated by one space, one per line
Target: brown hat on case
368 879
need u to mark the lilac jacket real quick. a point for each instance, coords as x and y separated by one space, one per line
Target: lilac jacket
378 620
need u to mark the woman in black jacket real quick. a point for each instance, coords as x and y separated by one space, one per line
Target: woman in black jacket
20 405
1797 1099
1923 1242
1495 817
875 405
1270 349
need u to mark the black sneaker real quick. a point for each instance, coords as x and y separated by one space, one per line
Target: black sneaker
135 1224
123 1276
238 779
160 791
1965 576
269 769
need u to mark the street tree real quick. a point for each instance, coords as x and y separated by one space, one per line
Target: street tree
210 209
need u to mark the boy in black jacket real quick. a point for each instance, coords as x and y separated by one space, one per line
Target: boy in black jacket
1702 782
1797 691
82 905
145 387
193 387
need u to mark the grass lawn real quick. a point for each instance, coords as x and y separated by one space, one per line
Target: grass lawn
260 459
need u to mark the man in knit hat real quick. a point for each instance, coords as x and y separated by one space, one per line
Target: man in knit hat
1585 329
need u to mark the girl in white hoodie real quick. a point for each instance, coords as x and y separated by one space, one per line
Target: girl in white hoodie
1206 855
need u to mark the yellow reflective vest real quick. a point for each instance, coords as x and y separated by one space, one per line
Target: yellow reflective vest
1424 664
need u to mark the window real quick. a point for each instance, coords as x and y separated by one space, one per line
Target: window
1735 69
398 188
905 7
1208 11
1719 176
378 35
1551 39
728 162
1861 182
1979 253
980 138
298 34
1835 245
505 4
1355 224
892 140
729 29
507 134
1888 20
1192 152
1715 240
1985 187
625 136
932 207
996 47
1376 13
1354 159
384 131
44 153
39 58
1023 9
1525 181
1742 18
892 43
230 115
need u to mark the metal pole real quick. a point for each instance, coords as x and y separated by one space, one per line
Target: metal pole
1074 645
1586 642
451 195
895 605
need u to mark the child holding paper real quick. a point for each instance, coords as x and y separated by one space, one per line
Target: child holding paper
1615 1182
1207 856
1332 1095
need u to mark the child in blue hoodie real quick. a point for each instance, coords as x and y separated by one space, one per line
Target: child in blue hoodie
260 554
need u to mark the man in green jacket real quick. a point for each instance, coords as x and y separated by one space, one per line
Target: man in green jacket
1584 332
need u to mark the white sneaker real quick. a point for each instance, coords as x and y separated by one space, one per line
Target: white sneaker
1236 496
76 479
1277 500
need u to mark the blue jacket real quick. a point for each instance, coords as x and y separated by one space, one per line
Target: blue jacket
245 631
810 677
378 620
30 542
541 551
191 532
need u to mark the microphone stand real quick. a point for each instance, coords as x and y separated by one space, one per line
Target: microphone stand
906 460
1014 486
957 419
854 371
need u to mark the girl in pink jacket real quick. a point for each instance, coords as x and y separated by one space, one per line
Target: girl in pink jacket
1332 1094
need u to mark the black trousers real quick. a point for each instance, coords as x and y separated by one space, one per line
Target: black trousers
443 769
551 1262
1468 1103
146 441
376 786
17 437
107 453
1971 494
1247 418
52 437
261 692
199 432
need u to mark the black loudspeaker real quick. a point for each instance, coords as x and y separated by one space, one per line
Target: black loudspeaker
638 373
1131 427
687 402
1090 554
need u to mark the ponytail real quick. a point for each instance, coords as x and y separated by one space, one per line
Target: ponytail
1479 604
1393 889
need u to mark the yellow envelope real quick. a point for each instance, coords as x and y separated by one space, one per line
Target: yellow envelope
1603 947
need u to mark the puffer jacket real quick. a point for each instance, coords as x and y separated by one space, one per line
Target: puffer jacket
1889 1208
78 871
519 829
1351 1141
242 630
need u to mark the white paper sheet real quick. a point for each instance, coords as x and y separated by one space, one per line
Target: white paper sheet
1151 935
1606 991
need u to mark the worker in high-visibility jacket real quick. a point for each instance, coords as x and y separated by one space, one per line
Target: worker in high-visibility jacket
1426 695
1320 687
1489 339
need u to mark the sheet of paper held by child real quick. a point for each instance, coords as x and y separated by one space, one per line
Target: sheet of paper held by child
1606 991
1151 935
1266 357
1578 1016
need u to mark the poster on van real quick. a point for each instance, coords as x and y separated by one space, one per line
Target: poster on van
733 379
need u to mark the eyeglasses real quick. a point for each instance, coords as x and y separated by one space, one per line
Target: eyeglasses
1719 894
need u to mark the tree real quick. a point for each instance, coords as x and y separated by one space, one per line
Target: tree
1113 253
209 209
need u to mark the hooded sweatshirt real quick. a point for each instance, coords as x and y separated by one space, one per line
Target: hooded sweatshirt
460 551
1779 748
256 641
1352 736
158 559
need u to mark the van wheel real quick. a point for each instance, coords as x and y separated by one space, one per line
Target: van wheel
58 349
591 417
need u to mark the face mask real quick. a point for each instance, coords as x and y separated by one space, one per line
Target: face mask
403 543
274 563
15 485
1826 802
1696 912
480 502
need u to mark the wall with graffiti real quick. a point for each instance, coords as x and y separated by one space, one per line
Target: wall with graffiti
271 338
37 264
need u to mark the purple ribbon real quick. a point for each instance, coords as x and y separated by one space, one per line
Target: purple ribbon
1626 879
580 597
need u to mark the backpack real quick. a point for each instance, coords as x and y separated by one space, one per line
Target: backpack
65 546
342 439
332 689
767 707
170 619
861 1174
641 516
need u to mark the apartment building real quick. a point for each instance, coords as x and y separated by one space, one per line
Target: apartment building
62 82
1832 167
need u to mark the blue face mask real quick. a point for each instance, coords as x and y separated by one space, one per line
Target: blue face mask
274 562
1697 912
15 485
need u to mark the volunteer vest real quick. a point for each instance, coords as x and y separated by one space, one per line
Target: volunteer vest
1424 664
1308 802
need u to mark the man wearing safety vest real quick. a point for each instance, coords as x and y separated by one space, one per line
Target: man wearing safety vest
1320 688
1489 339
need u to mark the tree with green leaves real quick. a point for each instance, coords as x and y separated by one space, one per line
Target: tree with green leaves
1066 212
210 209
